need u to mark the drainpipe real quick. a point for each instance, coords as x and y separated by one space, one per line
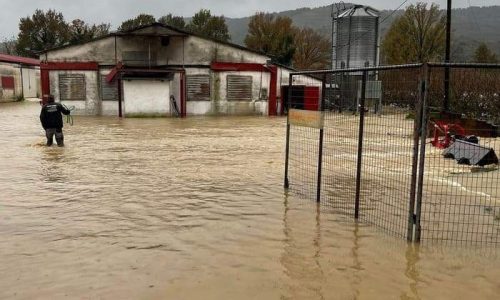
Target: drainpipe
22 81
119 82
183 96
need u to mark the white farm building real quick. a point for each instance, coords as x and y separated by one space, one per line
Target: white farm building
158 70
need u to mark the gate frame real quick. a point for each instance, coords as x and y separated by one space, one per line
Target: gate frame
419 107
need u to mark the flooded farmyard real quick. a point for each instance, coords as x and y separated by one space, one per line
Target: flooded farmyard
194 209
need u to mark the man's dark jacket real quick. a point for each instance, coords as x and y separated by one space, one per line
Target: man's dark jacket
51 115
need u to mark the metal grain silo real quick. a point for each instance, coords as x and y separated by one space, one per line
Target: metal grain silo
355 39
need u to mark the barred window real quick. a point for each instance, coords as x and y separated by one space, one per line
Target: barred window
239 88
109 91
72 87
198 87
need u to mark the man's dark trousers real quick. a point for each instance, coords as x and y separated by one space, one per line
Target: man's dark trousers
50 132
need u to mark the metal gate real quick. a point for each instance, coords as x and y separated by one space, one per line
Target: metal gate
365 151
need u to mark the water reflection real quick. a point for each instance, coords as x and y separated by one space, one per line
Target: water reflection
412 256
194 209
304 269
356 261
51 164
319 263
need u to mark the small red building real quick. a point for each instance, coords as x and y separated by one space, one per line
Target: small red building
19 78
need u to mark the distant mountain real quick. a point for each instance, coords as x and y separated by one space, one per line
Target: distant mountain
470 26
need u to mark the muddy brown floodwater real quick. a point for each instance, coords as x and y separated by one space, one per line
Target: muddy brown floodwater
194 209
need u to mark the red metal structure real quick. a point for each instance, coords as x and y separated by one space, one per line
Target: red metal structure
19 60
311 98
443 132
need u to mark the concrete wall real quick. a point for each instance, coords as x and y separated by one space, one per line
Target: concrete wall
31 82
9 95
189 50
101 51
146 97
92 104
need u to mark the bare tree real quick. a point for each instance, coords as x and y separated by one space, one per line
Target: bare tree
312 50
8 46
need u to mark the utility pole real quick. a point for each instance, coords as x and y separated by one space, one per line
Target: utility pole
446 104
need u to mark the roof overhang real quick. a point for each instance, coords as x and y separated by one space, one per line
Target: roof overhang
19 60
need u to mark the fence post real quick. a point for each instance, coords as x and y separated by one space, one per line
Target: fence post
287 151
423 140
417 126
360 143
321 137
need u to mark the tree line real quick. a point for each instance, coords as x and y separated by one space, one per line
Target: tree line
416 36
273 36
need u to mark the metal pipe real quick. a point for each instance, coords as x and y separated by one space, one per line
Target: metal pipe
334 39
417 132
464 65
421 166
22 81
349 43
287 151
446 104
379 68
321 137
360 143
120 113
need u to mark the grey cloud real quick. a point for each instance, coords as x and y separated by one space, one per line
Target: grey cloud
116 11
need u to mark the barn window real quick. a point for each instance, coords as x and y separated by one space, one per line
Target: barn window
72 87
239 88
198 87
109 91
8 82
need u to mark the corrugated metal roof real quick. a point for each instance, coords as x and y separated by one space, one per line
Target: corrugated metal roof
359 11
19 60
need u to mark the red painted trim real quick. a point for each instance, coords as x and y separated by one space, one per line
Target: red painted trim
70 66
45 82
113 72
19 60
272 106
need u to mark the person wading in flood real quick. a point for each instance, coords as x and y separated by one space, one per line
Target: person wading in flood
52 122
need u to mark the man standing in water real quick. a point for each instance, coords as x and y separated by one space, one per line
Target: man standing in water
52 122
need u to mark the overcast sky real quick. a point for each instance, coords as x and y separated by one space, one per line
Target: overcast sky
116 11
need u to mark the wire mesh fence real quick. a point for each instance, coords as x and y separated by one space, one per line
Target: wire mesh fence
371 149
303 94
461 181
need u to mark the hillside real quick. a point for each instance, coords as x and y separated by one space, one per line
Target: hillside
470 26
